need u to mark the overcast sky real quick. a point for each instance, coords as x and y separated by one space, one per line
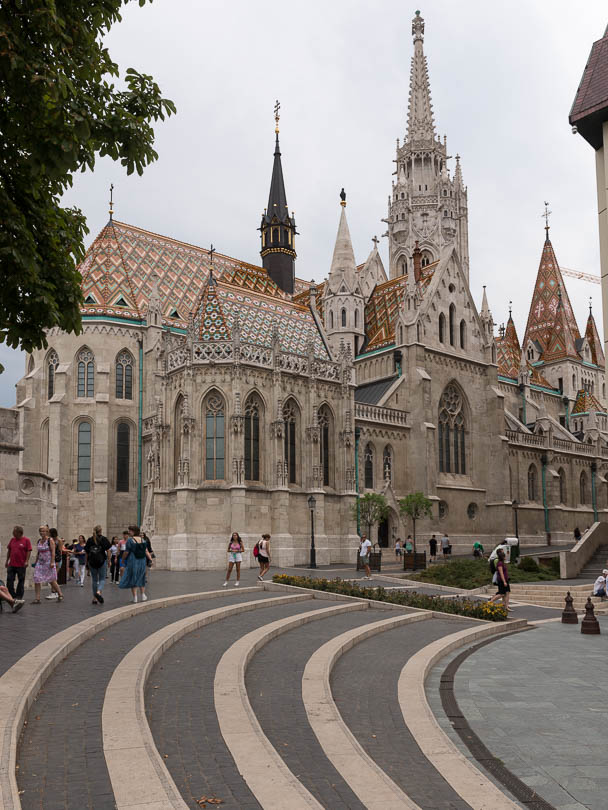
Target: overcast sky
503 78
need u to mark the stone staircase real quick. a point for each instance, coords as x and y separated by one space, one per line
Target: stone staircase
595 565
554 596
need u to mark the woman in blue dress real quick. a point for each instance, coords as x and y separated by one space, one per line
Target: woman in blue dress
134 576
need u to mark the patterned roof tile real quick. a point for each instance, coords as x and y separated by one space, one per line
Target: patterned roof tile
586 403
508 351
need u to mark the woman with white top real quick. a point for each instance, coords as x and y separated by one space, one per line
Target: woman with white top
264 555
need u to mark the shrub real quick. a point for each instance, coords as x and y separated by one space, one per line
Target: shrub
529 564
459 606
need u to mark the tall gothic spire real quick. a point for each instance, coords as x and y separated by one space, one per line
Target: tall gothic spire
343 264
420 123
278 228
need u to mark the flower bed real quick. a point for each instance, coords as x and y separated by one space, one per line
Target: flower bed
459 606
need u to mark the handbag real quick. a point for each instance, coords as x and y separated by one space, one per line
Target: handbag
256 549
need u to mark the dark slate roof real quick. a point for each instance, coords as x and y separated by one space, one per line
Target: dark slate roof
372 393
590 106
277 199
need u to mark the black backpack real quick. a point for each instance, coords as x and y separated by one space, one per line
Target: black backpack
97 555
493 567
57 551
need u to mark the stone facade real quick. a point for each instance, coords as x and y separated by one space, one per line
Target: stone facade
203 398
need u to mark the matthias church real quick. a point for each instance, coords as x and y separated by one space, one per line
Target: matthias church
207 395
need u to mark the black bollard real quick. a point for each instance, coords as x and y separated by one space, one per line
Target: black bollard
590 624
569 613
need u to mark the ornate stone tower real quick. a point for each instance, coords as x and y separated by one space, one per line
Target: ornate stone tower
278 229
426 204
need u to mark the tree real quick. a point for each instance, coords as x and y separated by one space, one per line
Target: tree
59 110
415 506
373 509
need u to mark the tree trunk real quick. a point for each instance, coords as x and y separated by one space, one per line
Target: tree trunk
414 533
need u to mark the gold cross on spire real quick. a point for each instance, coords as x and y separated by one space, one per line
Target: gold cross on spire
546 215
277 107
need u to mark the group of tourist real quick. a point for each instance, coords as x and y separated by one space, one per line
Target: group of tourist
127 559
236 549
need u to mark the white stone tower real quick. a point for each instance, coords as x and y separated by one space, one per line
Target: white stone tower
344 304
426 204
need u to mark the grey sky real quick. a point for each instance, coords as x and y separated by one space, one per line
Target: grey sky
503 77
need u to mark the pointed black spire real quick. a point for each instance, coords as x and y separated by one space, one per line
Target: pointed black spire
278 228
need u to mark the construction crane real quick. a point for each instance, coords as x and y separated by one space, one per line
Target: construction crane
593 279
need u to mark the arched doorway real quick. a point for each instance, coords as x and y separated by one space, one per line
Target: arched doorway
383 533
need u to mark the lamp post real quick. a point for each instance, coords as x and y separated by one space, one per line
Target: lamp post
312 503
515 506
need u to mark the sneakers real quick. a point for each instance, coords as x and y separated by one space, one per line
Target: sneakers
261 579
236 584
144 598
225 583
52 596
134 600
18 604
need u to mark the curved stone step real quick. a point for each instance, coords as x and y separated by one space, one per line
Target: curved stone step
473 786
273 784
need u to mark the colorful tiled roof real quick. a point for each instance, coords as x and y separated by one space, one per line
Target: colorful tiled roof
586 403
560 341
382 308
209 318
120 263
303 298
595 344
592 94
543 309
508 351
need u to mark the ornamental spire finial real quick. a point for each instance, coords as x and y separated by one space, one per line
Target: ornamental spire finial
277 107
546 214
111 200
418 28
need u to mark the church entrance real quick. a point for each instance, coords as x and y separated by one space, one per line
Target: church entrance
383 534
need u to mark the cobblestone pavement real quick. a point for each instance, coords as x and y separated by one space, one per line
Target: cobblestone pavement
554 677
274 685
61 761
181 711
364 684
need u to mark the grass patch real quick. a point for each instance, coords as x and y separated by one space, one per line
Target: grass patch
460 606
476 573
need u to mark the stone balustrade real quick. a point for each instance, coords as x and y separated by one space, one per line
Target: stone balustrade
375 413
544 441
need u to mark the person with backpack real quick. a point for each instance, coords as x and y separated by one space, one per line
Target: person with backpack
263 555
45 569
59 552
235 557
501 579
134 576
98 556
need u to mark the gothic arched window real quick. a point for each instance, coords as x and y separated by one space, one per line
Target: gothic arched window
83 483
291 419
252 438
583 482
178 421
124 375
562 485
215 436
463 334
325 446
387 465
343 317
44 447
441 328
369 467
123 447
452 323
86 373
52 361
532 482
452 432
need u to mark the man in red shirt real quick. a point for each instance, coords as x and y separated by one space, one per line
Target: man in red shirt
17 558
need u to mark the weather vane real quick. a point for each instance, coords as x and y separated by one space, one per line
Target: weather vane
510 308
546 215
277 107
211 252
590 304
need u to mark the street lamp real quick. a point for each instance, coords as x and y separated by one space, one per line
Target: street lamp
515 506
312 503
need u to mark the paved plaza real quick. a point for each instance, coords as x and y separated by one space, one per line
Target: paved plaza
534 698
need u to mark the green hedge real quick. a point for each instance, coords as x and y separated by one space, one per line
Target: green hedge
468 573
459 606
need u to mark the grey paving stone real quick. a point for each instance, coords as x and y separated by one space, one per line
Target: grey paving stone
364 685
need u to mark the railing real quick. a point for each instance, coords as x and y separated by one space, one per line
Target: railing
560 445
226 351
374 413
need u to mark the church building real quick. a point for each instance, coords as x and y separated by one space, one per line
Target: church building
207 395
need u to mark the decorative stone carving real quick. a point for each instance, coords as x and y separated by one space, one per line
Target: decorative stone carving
238 470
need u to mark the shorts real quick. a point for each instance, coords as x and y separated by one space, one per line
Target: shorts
235 556
502 588
262 559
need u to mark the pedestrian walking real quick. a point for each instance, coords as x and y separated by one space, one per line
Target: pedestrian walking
81 559
45 569
151 557
264 555
18 554
445 545
502 580
98 555
59 556
122 549
235 557
72 563
364 553
134 575
398 548
5 596
477 549
114 562
433 548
